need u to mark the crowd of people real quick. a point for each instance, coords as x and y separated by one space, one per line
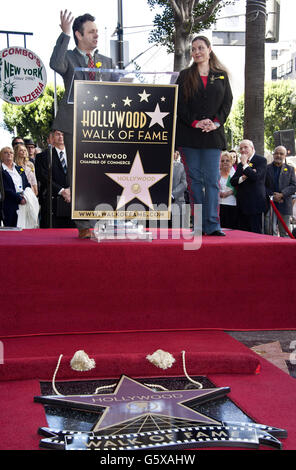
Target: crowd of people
248 187
234 192
245 188
32 194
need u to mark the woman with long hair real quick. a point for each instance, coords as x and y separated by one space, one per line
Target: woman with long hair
204 102
228 209
21 158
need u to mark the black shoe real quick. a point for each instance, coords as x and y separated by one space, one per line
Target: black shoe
217 233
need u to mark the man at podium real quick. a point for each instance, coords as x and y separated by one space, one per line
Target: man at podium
64 61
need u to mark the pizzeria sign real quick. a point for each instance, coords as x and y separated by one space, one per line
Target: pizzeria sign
22 76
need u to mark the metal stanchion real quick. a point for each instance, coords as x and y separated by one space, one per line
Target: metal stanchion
271 215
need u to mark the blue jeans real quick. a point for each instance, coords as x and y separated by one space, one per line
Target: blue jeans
203 174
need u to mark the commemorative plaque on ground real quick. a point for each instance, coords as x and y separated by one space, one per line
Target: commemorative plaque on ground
137 415
124 135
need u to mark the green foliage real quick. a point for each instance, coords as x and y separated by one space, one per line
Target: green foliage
235 122
34 119
279 112
164 24
279 108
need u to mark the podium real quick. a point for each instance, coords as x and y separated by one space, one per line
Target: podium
123 147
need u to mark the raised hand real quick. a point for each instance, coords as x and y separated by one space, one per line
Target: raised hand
66 21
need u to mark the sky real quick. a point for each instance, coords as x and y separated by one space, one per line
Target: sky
43 21
44 24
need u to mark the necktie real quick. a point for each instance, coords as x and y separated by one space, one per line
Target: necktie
63 161
91 65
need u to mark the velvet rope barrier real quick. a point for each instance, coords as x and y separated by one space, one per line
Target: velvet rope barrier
278 214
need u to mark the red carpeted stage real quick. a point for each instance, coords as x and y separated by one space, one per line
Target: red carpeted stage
122 300
54 283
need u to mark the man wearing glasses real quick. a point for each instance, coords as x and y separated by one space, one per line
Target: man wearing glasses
280 184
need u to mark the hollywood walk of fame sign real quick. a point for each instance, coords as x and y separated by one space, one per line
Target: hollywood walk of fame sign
124 136
135 416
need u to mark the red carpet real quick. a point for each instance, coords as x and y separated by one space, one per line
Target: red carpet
120 301
125 353
269 398
54 283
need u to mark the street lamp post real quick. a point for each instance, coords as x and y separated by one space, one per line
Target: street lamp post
120 61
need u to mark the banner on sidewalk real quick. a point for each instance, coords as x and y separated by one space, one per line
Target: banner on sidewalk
124 136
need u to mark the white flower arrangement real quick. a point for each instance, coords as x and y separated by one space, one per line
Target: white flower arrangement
161 359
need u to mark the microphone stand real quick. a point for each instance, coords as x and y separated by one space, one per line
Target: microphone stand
49 187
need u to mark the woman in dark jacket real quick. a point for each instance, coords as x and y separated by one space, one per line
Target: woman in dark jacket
14 183
204 102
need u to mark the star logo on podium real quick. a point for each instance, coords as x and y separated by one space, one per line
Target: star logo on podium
136 183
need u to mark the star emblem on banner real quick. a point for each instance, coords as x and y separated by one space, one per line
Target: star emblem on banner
136 183
127 101
156 116
132 400
144 96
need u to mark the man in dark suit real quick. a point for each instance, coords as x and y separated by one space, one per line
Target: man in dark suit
179 186
64 61
281 185
59 178
249 181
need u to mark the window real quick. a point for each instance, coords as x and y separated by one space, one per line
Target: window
289 66
228 38
274 75
281 71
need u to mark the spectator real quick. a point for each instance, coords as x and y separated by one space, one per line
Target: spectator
227 201
21 158
61 196
31 149
14 183
249 182
234 157
280 185
1 194
178 193
17 140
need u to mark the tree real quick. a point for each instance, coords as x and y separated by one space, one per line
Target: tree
34 119
234 125
279 112
255 73
179 21
280 109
